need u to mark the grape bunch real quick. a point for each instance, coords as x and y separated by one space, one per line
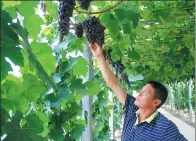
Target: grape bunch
84 4
118 66
65 11
79 30
94 30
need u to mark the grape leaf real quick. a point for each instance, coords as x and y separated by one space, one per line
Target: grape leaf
120 14
93 88
32 87
45 119
8 45
63 45
12 91
44 54
111 23
77 132
133 16
77 86
63 93
133 54
29 132
27 9
127 28
10 50
77 44
33 29
81 67
7 4
116 53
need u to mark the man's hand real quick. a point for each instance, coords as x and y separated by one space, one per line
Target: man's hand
95 49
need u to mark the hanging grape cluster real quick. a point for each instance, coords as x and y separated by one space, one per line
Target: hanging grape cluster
84 4
79 30
65 11
118 66
94 30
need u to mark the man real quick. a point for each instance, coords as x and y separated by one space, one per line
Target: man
142 120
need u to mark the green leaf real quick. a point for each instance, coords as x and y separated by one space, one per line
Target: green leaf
81 67
8 45
32 58
33 87
77 87
6 67
28 132
9 49
116 53
111 23
63 45
19 30
127 28
44 118
11 9
93 88
17 104
33 29
133 16
77 132
18 93
7 4
120 14
27 9
69 66
43 53
52 9
63 93
35 122
13 99
188 40
57 134
77 44
133 54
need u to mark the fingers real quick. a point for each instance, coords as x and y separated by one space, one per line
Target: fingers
92 45
97 45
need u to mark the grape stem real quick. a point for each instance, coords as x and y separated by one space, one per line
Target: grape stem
99 12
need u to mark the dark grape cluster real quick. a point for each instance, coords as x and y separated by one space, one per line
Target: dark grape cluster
79 30
94 30
84 4
118 66
65 11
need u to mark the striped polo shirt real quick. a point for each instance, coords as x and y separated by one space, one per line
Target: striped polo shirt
158 129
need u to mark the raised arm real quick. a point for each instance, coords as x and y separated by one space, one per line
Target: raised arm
107 73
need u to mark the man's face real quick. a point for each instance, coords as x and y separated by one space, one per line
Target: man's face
145 98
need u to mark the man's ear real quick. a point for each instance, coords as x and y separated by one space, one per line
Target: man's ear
157 102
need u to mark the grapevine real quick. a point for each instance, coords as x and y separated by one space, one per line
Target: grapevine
94 30
84 4
79 30
65 11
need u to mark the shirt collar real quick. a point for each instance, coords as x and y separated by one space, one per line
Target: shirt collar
149 119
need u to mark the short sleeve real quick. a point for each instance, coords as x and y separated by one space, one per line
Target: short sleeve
172 134
129 106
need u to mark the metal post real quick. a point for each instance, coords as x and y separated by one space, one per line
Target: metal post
189 100
171 98
87 100
178 98
111 118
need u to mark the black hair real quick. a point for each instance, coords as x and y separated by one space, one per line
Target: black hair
161 91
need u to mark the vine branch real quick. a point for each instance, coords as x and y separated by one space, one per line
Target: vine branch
99 12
